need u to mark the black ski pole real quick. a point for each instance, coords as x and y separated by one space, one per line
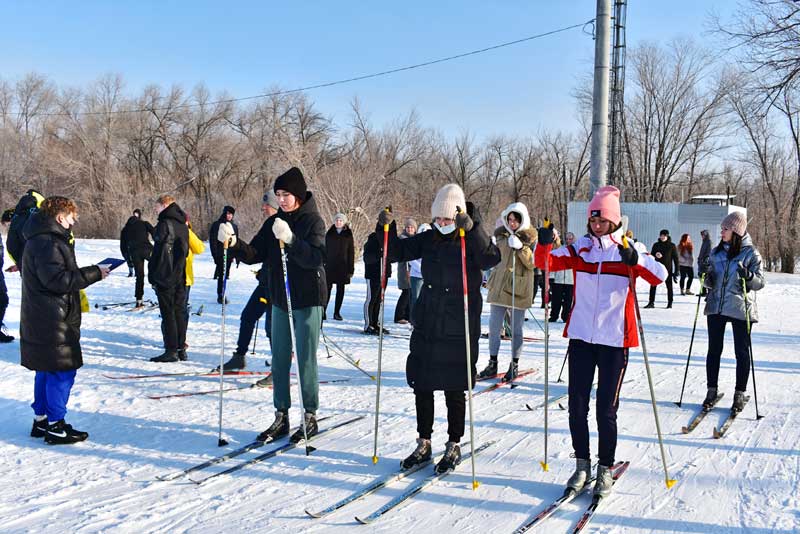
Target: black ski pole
691 343
750 347
566 355
255 337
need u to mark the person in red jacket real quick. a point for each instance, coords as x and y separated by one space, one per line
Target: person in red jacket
601 326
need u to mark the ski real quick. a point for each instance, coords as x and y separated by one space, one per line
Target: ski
278 451
232 388
416 488
728 421
592 508
188 373
369 489
485 335
700 416
550 509
255 444
552 401
500 384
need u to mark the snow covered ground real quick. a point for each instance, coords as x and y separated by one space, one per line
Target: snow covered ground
744 483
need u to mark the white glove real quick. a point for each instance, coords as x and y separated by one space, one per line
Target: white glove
514 242
282 231
494 240
225 234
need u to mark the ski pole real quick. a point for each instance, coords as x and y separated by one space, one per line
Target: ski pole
536 320
566 355
513 298
469 355
255 336
750 346
380 340
343 355
691 343
221 442
546 298
293 341
632 288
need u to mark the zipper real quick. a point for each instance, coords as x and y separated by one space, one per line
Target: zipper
723 286
597 285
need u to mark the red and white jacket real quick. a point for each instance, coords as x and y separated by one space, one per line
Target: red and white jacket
603 309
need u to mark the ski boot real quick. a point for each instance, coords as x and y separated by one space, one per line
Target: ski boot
451 458
337 317
278 429
739 400
39 428
236 363
711 396
60 433
650 305
182 355
311 429
582 474
490 371
265 382
513 371
5 338
604 482
169 356
420 455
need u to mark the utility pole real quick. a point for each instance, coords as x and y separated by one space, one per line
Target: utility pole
599 154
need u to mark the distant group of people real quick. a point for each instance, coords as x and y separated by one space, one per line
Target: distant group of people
679 261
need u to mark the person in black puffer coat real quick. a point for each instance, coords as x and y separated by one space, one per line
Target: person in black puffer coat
340 262
167 274
665 251
216 248
437 353
50 315
136 248
15 241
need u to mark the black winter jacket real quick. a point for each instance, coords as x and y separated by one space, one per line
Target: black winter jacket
373 254
50 314
305 256
15 241
167 266
437 350
669 254
133 240
340 261
216 246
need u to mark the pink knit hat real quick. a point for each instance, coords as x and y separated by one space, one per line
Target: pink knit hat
737 222
605 204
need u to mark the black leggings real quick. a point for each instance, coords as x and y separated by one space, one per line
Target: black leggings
337 307
741 346
456 409
686 272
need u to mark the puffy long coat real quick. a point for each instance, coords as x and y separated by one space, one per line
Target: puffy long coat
501 283
50 315
725 294
340 252
437 356
305 257
216 246
167 266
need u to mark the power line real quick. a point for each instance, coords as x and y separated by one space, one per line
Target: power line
332 83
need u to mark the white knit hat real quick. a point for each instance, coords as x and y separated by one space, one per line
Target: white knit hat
447 200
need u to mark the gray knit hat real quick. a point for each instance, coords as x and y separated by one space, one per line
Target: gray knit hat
271 199
341 216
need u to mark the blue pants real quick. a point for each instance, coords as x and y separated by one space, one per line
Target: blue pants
307 323
51 393
257 306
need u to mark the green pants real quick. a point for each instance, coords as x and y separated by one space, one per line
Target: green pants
307 323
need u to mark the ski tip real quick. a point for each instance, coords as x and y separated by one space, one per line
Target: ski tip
372 378
475 485
545 466
685 430
312 514
374 461
670 483
222 442
362 521
717 435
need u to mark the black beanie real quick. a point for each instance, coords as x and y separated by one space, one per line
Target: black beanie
293 182
228 209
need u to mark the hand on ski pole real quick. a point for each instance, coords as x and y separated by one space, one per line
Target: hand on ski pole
225 234
463 221
514 242
282 231
744 273
628 253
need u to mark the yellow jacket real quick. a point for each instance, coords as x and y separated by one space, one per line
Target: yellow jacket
195 247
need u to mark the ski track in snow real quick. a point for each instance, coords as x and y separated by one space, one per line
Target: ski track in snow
743 483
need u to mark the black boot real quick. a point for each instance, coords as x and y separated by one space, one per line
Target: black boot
278 429
420 455
513 371
490 371
451 458
5 338
39 428
236 363
311 429
739 400
650 305
182 355
711 397
169 356
60 433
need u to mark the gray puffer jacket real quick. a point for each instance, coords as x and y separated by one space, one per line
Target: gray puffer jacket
725 295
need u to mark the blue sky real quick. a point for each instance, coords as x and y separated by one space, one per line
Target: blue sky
247 47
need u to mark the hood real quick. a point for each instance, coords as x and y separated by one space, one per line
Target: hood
132 219
26 203
174 212
517 207
39 224
747 241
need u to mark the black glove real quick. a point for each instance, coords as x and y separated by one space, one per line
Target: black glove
546 236
744 273
628 255
464 221
385 217
708 281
